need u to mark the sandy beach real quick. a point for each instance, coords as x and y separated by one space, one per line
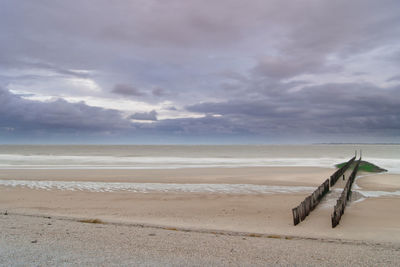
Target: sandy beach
40 241
367 220
199 133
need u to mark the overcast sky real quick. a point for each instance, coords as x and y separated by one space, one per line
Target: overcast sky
199 71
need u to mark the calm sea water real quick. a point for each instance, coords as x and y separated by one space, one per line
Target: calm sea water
160 157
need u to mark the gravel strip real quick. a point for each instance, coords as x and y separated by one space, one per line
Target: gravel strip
38 241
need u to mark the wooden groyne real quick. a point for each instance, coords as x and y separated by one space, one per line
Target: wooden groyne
301 211
337 174
340 206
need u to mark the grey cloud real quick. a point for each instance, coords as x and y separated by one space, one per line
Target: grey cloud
359 73
204 126
127 90
327 31
159 92
281 68
394 78
326 28
232 75
150 41
23 64
52 68
330 109
225 57
57 115
145 116
345 108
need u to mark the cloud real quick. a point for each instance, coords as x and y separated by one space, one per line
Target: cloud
159 92
206 126
314 112
127 90
281 67
328 108
56 115
145 116
394 78
266 68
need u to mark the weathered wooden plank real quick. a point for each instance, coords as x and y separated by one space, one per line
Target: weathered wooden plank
340 206
296 217
302 211
336 175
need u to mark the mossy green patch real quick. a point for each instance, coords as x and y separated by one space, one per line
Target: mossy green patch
364 166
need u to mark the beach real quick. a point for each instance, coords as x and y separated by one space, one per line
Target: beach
199 133
150 211
40 241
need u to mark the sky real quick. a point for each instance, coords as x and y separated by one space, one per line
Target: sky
199 71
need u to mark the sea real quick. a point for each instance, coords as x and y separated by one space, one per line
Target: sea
193 156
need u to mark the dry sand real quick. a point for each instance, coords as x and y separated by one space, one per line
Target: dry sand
373 221
33 241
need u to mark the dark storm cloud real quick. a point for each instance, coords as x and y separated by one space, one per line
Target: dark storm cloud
331 107
145 116
127 90
27 115
159 92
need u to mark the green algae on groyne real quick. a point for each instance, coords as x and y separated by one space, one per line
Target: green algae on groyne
364 166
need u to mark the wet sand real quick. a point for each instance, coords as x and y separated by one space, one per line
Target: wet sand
384 182
307 176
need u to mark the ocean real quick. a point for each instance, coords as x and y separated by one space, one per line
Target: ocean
191 156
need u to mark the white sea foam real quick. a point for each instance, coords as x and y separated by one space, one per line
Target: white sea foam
99 162
379 193
156 187
173 157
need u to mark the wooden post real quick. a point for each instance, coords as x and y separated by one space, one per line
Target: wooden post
326 187
296 218
308 205
334 219
303 211
312 202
